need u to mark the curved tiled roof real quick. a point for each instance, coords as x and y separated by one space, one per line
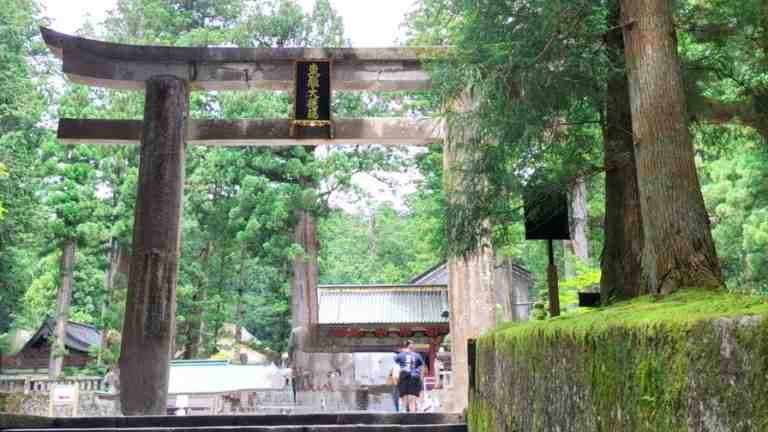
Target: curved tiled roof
438 275
79 337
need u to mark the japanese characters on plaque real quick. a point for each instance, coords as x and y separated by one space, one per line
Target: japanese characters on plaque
312 97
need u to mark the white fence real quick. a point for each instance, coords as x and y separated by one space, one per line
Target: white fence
29 385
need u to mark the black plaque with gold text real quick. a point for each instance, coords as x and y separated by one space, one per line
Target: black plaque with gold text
312 98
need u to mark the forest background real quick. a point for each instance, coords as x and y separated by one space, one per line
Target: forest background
240 204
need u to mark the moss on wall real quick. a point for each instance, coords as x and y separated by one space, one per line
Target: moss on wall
692 361
8 421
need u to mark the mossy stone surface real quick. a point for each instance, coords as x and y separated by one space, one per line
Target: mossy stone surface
692 361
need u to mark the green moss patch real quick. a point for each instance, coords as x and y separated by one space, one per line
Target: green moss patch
686 307
695 360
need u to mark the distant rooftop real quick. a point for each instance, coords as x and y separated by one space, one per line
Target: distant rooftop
382 304
78 336
437 275
422 300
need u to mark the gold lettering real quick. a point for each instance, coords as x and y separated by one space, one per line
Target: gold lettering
313 98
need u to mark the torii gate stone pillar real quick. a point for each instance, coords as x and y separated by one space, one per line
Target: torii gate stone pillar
471 293
150 310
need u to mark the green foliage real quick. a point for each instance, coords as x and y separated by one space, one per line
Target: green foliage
22 103
720 46
539 311
585 279
504 62
734 164
685 308
387 246
428 202
325 28
433 23
3 174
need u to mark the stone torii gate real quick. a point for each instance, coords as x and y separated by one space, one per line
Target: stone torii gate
168 75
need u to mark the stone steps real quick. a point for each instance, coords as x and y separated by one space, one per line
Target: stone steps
363 422
284 428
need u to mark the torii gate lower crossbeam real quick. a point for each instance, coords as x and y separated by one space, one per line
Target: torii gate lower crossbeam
259 132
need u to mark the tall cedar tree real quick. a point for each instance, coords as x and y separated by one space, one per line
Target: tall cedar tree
623 243
678 250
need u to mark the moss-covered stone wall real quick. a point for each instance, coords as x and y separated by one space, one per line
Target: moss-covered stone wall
696 361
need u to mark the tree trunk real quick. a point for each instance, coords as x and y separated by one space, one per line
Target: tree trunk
150 314
372 234
623 244
195 322
578 246
193 328
304 300
678 251
109 284
218 323
63 299
240 308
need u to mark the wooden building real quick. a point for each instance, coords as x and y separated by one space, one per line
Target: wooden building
210 387
380 317
33 357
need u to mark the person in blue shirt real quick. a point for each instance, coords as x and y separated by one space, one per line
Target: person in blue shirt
409 385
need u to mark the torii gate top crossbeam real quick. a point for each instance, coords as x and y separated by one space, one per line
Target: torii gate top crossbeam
127 67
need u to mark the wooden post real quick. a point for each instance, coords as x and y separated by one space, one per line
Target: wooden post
150 310
471 363
51 404
554 290
76 400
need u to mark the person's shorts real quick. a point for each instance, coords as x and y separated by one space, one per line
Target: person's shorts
408 384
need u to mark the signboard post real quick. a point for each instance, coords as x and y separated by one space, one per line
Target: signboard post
472 364
312 99
546 218
182 404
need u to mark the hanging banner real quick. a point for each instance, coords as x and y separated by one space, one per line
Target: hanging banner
312 97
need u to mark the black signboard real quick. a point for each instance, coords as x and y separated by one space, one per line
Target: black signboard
546 214
312 98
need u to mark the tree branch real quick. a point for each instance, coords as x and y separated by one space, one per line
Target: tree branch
704 109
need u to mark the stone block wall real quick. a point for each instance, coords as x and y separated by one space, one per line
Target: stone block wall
37 404
708 375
